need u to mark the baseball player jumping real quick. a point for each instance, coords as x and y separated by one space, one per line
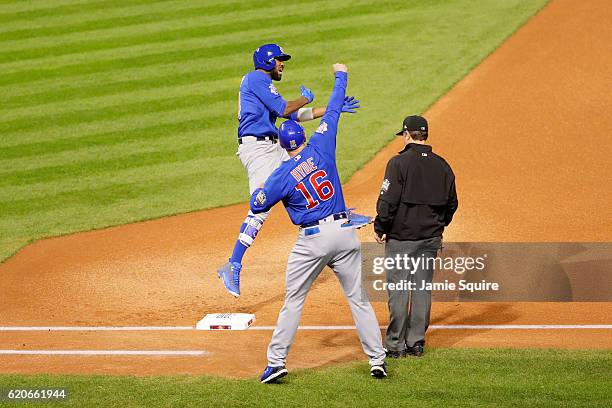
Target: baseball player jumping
259 105
309 186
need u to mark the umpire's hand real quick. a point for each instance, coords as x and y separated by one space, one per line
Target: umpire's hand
380 238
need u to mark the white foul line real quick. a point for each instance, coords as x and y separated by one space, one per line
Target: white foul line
95 328
434 327
466 327
104 352
522 326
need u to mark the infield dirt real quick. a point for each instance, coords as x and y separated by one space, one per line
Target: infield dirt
527 133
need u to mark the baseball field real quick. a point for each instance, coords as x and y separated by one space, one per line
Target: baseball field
120 195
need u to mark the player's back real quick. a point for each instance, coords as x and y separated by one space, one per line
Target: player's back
313 189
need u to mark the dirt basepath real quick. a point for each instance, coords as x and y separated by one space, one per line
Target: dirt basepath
527 133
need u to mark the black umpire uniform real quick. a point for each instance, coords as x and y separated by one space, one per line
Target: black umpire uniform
417 200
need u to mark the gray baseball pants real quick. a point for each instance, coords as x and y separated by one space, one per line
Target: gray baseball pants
409 311
260 159
338 247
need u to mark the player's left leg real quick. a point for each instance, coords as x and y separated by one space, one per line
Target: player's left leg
347 266
259 161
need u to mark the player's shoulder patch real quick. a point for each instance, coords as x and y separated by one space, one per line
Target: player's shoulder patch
273 89
261 198
322 128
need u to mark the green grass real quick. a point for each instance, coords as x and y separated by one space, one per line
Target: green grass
444 378
117 111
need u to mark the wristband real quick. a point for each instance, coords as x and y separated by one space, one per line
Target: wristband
305 114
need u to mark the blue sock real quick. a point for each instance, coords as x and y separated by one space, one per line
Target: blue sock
239 248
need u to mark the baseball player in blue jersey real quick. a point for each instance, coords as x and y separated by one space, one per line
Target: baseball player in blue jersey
309 186
259 105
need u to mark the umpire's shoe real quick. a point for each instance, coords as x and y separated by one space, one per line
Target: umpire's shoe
395 354
271 374
417 350
229 273
378 371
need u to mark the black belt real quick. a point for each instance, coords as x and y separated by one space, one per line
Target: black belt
337 216
273 139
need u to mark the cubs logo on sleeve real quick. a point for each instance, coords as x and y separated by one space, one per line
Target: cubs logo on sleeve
273 89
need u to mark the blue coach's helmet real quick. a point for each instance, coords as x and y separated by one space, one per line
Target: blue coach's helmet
264 56
291 135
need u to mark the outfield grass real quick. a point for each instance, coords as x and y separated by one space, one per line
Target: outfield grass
116 111
444 378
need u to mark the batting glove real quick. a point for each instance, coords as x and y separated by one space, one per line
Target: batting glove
307 93
350 104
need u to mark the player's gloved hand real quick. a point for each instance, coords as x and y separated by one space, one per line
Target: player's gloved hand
307 93
350 104
358 220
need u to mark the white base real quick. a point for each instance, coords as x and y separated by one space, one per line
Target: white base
226 321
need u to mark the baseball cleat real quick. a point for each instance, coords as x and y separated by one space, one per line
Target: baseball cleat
229 273
271 374
379 371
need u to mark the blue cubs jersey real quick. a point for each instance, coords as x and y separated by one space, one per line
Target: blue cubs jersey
308 184
259 104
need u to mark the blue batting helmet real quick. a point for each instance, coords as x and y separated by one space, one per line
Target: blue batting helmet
291 135
264 56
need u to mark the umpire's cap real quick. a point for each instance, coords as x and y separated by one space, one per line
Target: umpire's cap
413 122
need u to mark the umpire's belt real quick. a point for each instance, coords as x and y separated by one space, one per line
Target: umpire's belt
334 217
255 139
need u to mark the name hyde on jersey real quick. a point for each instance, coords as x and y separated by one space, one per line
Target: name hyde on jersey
303 169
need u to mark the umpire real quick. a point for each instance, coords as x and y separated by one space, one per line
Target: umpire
417 200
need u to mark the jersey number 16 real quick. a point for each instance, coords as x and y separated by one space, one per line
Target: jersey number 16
324 189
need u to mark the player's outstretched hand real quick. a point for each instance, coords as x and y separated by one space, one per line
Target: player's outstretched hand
350 104
337 67
307 93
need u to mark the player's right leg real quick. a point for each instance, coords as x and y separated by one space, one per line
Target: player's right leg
259 159
303 267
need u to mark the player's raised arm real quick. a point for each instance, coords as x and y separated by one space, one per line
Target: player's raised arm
336 100
325 135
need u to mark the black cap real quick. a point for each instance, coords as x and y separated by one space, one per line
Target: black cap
413 122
